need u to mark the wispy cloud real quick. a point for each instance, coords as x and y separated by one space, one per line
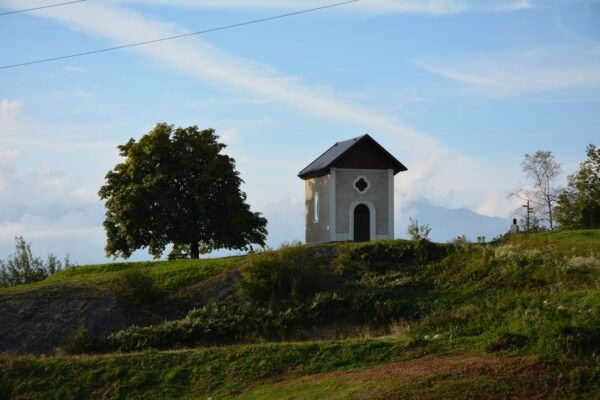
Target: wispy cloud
434 7
535 70
72 68
198 58
9 116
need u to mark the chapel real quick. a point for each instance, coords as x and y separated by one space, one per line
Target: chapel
349 192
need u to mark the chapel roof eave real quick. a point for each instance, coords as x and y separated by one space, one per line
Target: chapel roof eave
321 165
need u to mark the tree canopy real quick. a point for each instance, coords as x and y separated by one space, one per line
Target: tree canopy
176 187
579 205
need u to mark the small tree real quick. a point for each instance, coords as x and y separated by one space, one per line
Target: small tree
418 233
176 187
579 205
542 170
22 267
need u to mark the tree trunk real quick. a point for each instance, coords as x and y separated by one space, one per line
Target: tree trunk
194 251
550 216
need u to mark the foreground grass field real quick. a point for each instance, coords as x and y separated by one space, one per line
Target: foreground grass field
363 369
515 319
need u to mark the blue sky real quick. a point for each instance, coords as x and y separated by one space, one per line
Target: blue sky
459 91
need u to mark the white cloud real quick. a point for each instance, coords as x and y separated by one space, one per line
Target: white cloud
230 136
55 211
497 204
10 116
71 68
200 59
434 7
535 70
9 153
513 6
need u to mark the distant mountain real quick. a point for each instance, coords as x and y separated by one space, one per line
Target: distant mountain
448 223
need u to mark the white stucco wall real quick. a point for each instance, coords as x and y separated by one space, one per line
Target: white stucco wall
379 198
317 231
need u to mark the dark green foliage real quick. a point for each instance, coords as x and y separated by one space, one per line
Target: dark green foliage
579 205
379 299
179 252
81 342
507 341
175 186
22 267
136 287
223 324
292 273
579 341
356 259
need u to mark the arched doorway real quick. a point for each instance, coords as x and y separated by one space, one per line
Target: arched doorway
362 223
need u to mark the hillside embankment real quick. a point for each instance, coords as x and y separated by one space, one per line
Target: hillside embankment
517 318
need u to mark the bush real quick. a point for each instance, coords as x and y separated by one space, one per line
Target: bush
418 233
507 341
22 267
293 272
379 257
135 286
81 342
579 341
228 323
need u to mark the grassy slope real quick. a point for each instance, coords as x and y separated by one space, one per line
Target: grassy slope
474 301
169 274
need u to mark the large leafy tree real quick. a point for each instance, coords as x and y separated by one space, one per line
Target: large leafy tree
176 187
579 205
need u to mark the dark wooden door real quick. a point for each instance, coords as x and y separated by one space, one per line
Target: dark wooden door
362 223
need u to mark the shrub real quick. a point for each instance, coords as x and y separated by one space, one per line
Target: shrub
507 341
135 286
418 233
579 341
80 342
228 323
379 257
293 272
22 267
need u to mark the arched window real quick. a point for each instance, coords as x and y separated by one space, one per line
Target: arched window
316 207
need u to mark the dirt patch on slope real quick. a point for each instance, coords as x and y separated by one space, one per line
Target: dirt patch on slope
463 376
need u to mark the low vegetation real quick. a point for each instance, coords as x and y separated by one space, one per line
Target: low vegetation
523 313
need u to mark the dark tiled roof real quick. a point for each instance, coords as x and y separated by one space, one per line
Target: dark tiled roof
321 165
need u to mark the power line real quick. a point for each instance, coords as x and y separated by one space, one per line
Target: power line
39 8
255 21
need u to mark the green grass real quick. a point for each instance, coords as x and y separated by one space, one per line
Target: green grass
168 274
573 241
218 372
337 370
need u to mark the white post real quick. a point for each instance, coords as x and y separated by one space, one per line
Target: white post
332 203
391 203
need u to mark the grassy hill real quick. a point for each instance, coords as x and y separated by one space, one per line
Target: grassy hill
515 319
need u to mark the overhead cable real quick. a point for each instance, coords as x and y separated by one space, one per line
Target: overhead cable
255 21
40 7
